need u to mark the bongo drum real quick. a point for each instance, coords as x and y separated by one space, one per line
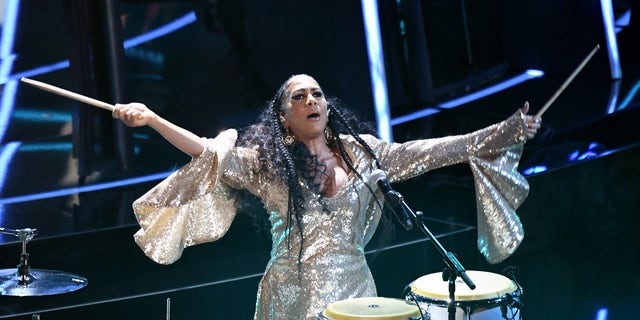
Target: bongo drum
495 297
371 308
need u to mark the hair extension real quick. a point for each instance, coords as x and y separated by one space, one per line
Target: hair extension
337 114
386 223
295 199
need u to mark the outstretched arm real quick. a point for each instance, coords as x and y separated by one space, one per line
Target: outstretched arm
137 115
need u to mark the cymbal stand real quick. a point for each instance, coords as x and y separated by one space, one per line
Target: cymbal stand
24 269
27 281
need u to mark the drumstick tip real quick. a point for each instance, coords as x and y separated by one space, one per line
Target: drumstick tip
27 80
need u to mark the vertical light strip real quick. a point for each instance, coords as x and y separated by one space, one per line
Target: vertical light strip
376 68
8 34
8 27
6 105
613 96
6 154
6 62
610 35
9 89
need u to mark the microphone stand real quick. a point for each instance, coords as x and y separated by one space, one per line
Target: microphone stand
454 267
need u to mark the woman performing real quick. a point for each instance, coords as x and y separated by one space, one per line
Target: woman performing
309 162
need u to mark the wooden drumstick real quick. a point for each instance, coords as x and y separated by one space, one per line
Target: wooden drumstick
68 94
566 82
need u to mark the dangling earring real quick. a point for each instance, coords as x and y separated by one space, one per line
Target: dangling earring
287 137
328 134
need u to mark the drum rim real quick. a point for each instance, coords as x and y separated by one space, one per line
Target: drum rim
488 297
405 315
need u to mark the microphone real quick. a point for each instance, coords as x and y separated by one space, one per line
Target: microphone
393 198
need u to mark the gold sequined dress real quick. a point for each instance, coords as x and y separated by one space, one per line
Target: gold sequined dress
197 204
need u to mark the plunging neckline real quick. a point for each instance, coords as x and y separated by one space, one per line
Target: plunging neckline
349 174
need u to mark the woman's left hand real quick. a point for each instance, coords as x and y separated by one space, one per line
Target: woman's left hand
532 123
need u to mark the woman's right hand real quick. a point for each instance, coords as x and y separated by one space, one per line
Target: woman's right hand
134 114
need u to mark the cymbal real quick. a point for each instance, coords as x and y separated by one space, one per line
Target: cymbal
40 283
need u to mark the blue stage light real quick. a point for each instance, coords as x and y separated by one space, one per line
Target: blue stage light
525 76
376 69
78 190
602 314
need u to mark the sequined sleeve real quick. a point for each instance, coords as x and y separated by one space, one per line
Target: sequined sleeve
493 154
190 206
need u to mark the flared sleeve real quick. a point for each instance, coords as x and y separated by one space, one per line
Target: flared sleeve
493 153
500 188
189 207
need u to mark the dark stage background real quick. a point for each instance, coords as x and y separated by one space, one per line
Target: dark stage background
71 172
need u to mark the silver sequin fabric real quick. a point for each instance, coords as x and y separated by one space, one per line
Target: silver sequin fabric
197 204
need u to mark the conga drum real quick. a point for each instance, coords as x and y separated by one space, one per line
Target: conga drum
495 297
371 308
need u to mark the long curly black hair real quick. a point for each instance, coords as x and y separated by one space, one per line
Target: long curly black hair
291 163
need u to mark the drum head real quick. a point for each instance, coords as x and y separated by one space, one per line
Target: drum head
370 308
488 286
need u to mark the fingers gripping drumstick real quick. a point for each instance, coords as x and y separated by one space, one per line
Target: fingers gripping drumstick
566 82
68 94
